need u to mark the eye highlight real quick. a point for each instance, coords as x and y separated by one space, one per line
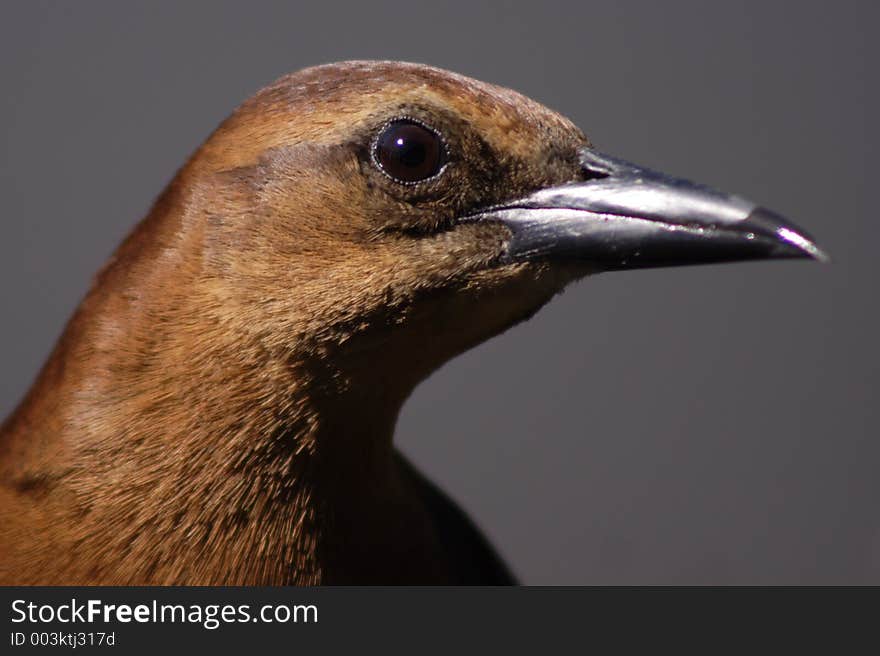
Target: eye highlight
408 151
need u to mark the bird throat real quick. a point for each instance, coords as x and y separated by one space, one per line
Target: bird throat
268 470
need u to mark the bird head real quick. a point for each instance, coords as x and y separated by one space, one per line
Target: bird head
391 215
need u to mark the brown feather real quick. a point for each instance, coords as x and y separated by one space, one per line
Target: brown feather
220 408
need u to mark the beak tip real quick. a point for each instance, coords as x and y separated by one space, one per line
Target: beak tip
793 241
804 246
795 245
821 256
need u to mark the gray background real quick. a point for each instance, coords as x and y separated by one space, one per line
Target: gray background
702 425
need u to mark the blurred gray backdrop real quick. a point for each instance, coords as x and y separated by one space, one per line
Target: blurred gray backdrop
701 425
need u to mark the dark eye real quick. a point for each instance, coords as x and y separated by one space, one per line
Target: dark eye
409 151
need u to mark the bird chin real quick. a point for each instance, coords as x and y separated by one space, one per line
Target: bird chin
497 298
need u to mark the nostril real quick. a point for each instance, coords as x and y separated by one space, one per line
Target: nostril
592 173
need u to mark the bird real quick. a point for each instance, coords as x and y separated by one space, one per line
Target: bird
220 408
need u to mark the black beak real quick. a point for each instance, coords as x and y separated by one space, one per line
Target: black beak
627 217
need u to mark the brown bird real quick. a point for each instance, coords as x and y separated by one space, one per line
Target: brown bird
220 408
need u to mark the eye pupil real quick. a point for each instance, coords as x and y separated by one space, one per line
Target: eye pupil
409 152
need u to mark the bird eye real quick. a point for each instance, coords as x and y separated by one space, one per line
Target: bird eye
409 152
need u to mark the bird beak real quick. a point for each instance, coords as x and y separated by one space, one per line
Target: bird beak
628 217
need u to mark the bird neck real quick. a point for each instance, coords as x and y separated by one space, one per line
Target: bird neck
207 453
